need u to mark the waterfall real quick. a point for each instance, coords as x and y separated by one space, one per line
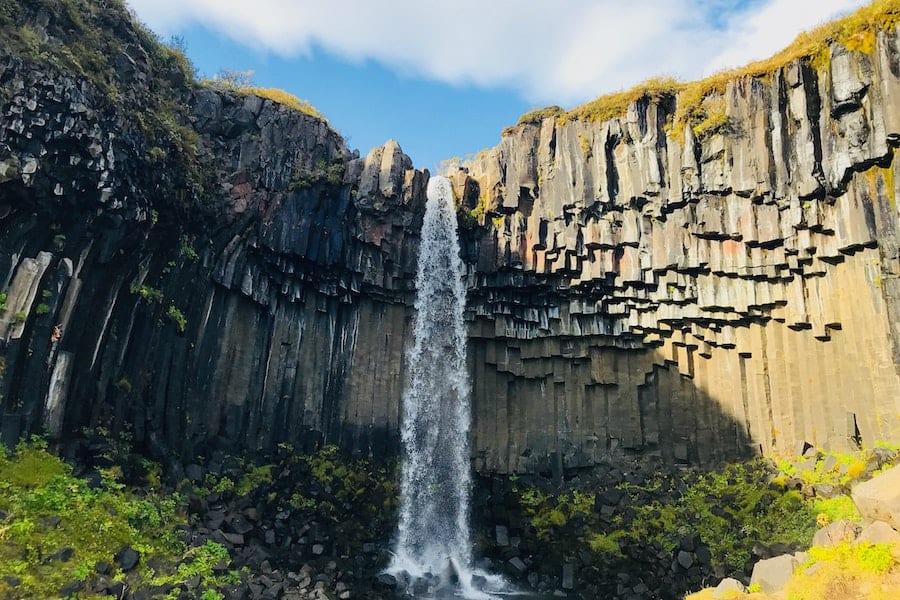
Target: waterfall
433 539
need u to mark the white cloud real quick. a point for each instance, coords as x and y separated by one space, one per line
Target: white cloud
563 52
767 31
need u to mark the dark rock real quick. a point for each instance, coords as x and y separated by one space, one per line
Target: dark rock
568 576
517 565
239 524
51 522
12 581
71 588
611 497
194 473
63 555
502 535
760 551
127 558
685 559
102 567
689 542
215 519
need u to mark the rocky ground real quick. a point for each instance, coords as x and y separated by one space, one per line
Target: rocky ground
320 526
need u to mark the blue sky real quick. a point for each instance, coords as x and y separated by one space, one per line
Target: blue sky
445 78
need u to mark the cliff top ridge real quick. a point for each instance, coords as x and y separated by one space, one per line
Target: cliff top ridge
856 32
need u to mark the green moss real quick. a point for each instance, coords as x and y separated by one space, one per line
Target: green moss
177 317
835 509
124 385
323 173
860 557
150 294
95 522
585 145
254 477
606 544
187 250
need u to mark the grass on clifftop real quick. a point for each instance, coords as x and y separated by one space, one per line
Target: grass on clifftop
856 31
241 82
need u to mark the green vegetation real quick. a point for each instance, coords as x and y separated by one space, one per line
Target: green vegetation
90 45
847 571
862 557
58 528
42 309
124 385
187 250
177 317
146 292
323 173
536 117
128 72
615 105
731 508
3 299
241 83
585 145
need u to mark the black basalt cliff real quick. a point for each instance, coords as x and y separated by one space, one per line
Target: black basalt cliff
201 266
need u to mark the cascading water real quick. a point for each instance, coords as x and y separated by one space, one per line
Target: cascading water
433 543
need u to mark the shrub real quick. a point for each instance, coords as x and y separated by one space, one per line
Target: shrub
146 292
177 317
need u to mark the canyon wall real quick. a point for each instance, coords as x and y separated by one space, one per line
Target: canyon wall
652 291
231 275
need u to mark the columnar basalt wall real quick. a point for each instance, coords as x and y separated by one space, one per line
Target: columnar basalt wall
275 311
691 298
229 273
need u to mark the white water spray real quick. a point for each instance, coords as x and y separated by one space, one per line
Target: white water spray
434 542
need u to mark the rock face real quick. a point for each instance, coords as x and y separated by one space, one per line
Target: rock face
694 298
220 269
879 498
